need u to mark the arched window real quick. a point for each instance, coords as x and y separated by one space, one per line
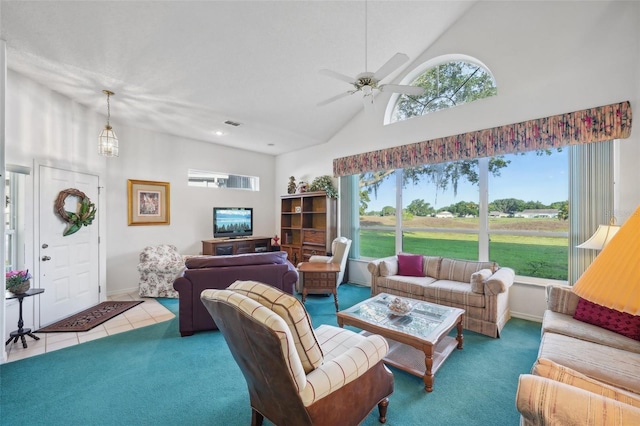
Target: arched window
446 85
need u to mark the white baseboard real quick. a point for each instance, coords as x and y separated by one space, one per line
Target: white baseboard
122 291
527 317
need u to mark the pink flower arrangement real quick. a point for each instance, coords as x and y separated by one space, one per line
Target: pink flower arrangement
14 278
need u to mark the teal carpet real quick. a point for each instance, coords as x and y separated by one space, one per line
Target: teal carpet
152 376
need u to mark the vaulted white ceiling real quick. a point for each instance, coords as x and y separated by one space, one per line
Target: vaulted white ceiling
186 67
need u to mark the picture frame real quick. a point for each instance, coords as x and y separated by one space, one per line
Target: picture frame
148 202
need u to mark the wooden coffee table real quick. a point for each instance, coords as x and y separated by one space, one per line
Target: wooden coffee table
418 342
319 278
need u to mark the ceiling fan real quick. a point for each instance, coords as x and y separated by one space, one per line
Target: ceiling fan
367 82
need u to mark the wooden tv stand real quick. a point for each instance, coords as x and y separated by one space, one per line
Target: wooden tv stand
229 246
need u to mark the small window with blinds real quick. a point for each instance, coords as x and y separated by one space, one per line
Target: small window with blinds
206 179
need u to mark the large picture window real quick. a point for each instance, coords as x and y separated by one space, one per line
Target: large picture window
529 212
377 214
437 210
440 210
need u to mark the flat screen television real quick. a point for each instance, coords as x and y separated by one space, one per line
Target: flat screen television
232 222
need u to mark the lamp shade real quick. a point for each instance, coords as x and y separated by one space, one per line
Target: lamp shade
601 237
613 279
108 142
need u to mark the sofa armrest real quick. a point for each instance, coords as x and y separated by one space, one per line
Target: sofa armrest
562 299
374 265
374 270
289 280
344 368
499 282
544 401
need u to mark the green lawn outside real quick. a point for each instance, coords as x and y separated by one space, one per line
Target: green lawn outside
543 257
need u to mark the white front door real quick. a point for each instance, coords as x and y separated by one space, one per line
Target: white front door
68 265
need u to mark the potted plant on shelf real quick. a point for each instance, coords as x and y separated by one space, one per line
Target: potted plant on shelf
324 183
18 282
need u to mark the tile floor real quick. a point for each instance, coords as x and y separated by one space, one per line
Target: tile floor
147 313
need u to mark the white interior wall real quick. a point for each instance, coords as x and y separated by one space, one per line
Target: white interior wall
47 128
547 58
44 127
559 59
158 157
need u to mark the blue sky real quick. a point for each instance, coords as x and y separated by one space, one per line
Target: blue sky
528 177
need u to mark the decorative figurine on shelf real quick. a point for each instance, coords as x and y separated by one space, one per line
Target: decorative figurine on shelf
302 187
291 188
275 240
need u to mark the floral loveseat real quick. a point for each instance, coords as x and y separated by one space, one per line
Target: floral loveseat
585 374
480 288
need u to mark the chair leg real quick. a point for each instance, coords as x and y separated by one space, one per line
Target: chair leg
256 418
382 409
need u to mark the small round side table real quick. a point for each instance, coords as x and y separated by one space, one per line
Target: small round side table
21 332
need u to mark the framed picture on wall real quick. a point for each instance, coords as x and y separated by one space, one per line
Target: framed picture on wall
148 202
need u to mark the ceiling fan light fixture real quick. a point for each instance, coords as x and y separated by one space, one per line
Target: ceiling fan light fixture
368 82
107 139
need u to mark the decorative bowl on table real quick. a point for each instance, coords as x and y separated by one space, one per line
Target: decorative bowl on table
399 307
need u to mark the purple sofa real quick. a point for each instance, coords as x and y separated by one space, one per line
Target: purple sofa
219 272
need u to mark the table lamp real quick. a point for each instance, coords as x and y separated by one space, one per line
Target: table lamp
602 236
613 279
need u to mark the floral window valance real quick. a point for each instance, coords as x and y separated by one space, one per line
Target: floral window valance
585 126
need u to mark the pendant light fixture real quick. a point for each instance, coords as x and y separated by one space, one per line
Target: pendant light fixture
107 140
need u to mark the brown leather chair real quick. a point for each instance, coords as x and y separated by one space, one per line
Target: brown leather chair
297 375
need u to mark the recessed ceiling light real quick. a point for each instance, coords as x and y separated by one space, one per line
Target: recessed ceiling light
219 133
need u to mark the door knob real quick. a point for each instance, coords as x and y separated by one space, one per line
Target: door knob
45 258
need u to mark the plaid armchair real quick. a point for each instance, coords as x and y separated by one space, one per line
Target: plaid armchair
297 375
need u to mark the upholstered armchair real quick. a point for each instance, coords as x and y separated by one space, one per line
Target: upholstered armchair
340 253
297 375
159 267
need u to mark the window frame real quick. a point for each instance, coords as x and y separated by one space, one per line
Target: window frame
421 69
483 231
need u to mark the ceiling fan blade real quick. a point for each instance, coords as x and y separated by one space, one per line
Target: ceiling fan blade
407 90
334 98
390 66
337 75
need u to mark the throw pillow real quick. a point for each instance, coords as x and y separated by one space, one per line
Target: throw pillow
478 279
388 267
619 322
410 265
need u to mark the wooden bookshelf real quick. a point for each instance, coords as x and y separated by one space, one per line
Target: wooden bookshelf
307 225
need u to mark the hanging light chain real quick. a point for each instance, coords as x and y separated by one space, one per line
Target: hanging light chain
108 93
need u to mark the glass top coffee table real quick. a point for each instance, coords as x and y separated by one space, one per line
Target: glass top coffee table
418 341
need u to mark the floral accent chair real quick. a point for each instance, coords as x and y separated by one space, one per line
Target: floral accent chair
159 267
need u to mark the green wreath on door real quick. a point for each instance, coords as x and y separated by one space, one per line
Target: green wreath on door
75 220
